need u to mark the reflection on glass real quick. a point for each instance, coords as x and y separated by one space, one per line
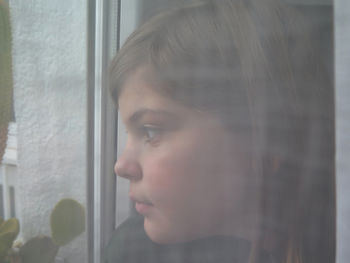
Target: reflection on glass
228 108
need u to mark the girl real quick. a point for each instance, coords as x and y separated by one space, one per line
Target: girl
230 137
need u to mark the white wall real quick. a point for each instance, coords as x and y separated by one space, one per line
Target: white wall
49 62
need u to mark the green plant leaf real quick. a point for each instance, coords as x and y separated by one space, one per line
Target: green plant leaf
67 221
11 225
40 249
8 233
6 81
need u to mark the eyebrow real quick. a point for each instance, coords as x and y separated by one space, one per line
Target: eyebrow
137 115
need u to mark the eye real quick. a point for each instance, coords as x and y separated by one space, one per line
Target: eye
151 133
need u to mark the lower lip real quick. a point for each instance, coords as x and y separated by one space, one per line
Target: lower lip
143 208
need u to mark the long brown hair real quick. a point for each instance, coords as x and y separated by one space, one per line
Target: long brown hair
256 65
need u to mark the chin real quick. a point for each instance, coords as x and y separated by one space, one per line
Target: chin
159 235
165 235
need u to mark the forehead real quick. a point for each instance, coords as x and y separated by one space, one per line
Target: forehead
141 91
139 85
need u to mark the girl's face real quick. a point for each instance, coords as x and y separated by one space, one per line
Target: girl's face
189 176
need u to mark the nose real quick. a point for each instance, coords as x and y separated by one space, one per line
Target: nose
127 165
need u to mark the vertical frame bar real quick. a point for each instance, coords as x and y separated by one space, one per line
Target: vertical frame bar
342 102
103 24
90 127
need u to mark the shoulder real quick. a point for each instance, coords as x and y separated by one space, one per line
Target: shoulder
129 243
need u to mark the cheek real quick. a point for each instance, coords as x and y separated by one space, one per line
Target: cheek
183 169
168 170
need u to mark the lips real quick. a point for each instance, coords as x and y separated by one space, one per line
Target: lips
142 205
143 208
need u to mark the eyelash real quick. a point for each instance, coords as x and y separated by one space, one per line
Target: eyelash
151 133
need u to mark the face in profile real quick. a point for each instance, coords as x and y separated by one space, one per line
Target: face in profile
189 176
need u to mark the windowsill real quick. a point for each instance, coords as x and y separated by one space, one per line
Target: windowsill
10 156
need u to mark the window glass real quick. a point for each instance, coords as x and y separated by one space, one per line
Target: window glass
43 173
200 106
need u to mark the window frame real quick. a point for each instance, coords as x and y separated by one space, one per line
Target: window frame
103 41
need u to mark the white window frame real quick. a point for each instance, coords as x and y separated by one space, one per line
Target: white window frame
8 170
103 39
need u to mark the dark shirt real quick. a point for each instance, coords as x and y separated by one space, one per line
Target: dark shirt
130 244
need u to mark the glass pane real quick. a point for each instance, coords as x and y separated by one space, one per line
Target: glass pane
45 159
225 132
